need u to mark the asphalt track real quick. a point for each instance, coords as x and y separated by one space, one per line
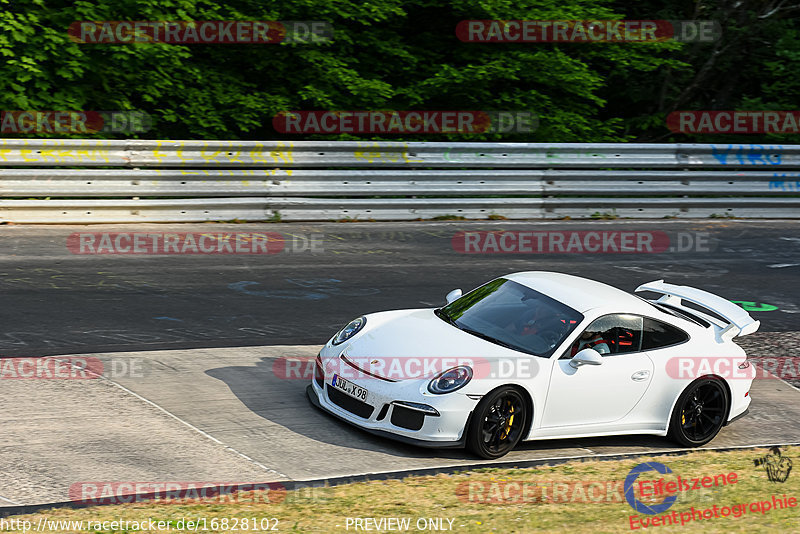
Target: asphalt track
205 331
57 302
224 416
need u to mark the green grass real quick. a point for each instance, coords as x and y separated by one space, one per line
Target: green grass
448 218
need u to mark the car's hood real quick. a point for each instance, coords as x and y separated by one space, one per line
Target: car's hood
407 344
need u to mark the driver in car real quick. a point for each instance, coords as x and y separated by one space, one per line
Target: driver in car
536 323
592 340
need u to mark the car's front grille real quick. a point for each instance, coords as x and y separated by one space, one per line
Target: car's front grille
352 405
405 418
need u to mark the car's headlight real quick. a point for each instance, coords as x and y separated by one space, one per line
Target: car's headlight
450 380
349 331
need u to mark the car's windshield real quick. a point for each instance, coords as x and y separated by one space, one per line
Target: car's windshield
513 315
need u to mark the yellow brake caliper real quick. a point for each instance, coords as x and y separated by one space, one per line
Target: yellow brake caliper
510 422
683 419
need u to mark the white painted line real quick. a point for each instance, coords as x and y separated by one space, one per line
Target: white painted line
188 424
9 500
756 360
786 382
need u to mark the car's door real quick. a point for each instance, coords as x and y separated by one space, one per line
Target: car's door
598 394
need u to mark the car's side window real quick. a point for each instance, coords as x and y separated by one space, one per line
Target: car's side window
609 335
658 334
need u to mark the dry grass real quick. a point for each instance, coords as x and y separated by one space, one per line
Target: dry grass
448 496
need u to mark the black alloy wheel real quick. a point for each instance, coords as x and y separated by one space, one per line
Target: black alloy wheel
699 413
497 423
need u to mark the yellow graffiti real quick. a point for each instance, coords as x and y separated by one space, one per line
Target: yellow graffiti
258 154
212 157
285 156
159 155
48 154
179 152
371 156
25 153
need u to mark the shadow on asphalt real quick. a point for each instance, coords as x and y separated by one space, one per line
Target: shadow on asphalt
277 400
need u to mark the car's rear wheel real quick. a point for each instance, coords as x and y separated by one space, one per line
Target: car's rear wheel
497 423
699 413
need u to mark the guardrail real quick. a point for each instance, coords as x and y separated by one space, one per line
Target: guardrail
103 181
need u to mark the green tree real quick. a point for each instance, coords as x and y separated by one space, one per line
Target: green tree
395 54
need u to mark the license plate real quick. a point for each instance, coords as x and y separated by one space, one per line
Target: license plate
348 387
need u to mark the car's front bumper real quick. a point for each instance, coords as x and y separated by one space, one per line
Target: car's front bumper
447 429
459 443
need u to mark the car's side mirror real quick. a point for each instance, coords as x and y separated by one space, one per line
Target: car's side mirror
587 356
453 295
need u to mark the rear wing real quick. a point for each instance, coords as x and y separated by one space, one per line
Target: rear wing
736 317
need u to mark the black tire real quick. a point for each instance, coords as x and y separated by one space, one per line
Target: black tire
699 413
497 423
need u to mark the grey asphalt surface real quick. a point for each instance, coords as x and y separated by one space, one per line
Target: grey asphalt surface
224 415
57 302
206 331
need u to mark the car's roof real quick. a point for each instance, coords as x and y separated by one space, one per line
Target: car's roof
581 294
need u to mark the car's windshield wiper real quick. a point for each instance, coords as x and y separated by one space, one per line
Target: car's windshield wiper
491 339
443 315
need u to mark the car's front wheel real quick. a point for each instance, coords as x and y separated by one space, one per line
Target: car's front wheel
699 413
497 423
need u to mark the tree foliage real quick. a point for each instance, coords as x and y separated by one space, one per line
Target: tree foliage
401 55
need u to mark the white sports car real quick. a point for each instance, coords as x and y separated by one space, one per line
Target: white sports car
541 355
